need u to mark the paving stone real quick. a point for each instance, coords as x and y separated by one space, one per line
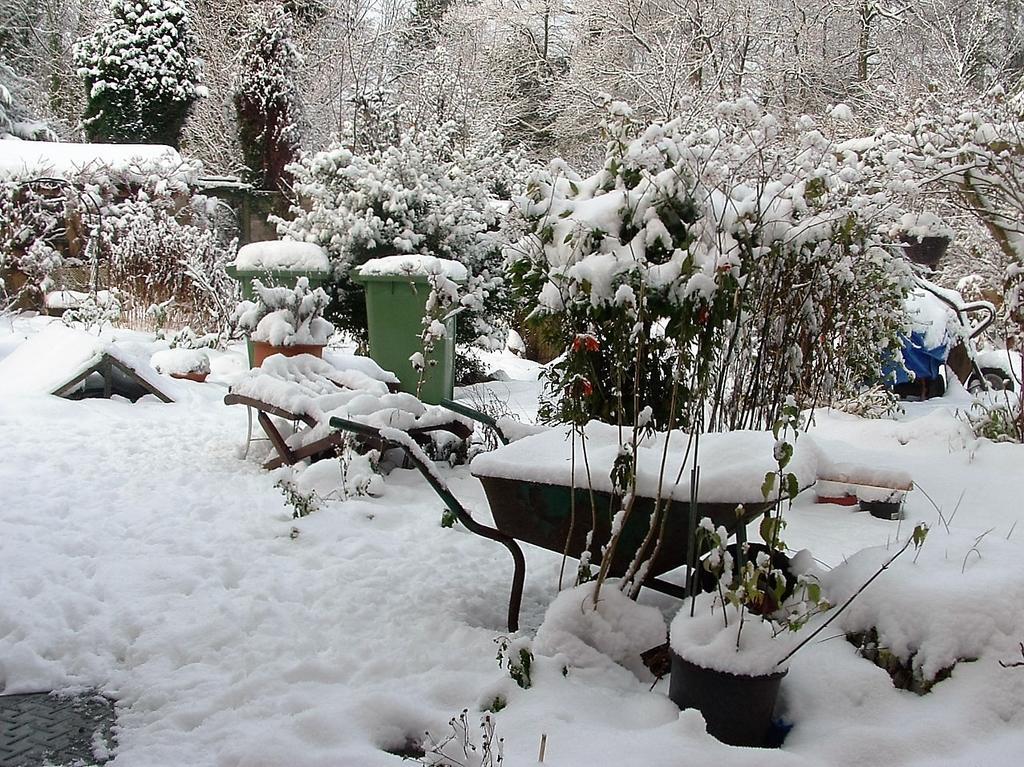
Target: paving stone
43 729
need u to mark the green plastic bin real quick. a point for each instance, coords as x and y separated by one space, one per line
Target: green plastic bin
273 278
395 305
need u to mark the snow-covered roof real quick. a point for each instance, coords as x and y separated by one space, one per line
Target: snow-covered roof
134 162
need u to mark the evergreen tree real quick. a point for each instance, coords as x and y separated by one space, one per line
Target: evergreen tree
140 77
266 101
15 116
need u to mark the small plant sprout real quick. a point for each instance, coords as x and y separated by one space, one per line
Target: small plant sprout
515 655
302 504
459 747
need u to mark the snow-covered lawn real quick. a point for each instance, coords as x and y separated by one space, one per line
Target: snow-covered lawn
140 555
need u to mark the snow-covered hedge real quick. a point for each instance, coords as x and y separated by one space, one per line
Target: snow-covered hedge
726 264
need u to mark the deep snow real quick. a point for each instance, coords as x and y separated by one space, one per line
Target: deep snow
139 554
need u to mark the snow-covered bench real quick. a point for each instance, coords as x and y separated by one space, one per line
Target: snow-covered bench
308 391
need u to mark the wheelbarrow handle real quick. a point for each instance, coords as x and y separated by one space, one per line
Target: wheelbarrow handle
429 473
476 415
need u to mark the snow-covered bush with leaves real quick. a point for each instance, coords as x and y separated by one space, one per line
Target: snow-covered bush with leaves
265 97
708 271
426 195
31 227
283 316
141 74
138 228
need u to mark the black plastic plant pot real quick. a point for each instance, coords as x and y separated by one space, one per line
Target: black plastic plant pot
890 510
738 709
927 251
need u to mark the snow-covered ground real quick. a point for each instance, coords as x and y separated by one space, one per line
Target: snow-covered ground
142 556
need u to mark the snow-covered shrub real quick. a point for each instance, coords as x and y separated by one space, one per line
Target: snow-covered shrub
425 196
709 271
159 255
284 316
265 97
141 77
33 233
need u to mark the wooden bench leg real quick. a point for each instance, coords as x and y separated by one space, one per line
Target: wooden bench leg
283 451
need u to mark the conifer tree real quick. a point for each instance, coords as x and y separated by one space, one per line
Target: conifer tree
266 101
140 76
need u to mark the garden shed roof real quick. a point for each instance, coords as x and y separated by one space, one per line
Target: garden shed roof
134 162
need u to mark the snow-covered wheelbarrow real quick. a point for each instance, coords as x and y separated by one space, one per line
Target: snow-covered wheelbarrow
533 500
943 333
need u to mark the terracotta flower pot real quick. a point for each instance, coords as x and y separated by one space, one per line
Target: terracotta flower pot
261 350
191 376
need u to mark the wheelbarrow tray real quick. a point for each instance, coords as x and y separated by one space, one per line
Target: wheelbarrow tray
543 515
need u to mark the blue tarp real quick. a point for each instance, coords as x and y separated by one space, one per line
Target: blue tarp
923 362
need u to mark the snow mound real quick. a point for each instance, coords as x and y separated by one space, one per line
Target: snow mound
618 628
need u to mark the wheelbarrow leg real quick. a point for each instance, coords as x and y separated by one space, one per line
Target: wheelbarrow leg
515 598
420 461
518 560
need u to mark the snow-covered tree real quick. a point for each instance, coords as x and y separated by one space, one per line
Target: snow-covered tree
140 73
266 100
15 118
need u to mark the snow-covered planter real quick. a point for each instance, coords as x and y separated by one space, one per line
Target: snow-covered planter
737 703
881 502
190 364
729 646
285 321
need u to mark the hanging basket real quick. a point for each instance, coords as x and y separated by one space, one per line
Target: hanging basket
927 251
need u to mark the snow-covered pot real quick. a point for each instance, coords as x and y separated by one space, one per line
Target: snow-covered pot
731 674
881 502
188 364
262 349
737 708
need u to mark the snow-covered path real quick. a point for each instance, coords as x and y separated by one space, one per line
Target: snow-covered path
139 555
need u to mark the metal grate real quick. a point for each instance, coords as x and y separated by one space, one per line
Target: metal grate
42 728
